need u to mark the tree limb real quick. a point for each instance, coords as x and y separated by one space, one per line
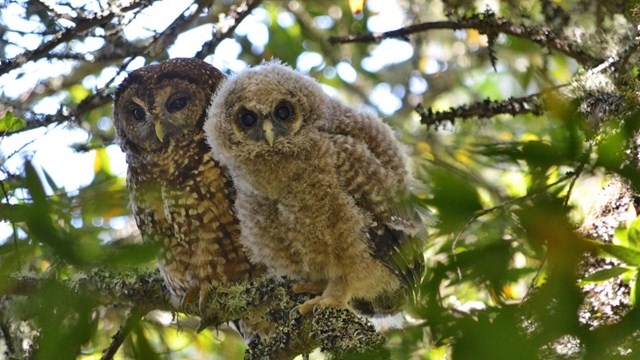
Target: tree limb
118 338
83 24
486 23
226 27
338 331
484 109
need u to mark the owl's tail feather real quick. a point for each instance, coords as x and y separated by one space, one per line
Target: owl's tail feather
406 260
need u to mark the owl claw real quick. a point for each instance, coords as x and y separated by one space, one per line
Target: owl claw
203 297
320 302
188 298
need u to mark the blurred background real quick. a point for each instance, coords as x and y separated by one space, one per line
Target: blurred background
537 113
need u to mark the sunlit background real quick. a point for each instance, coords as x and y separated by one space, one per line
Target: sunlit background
50 148
77 170
439 69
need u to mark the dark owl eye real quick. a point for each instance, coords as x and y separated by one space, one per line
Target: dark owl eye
177 104
138 113
283 111
248 118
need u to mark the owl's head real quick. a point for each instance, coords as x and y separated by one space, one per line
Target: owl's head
267 109
158 104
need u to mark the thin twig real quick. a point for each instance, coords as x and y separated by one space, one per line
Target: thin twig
576 174
486 23
500 206
226 27
119 337
82 25
101 96
90 103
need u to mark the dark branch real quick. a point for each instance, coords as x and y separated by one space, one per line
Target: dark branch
486 23
118 338
225 28
179 25
485 109
90 103
82 26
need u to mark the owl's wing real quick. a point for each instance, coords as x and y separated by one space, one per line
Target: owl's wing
370 163
148 210
372 168
377 137
373 186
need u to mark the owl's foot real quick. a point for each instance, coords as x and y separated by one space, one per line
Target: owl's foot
310 287
193 294
188 298
323 301
203 298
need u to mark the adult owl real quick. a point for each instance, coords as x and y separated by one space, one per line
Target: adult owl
316 182
180 196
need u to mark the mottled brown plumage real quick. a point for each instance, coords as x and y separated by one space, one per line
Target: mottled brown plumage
316 183
180 196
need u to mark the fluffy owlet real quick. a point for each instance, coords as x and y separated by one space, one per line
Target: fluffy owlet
316 182
180 196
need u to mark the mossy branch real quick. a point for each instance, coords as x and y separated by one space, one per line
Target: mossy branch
337 331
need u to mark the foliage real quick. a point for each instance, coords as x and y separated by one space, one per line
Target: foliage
513 112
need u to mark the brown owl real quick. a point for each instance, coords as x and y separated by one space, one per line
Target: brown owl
180 196
316 182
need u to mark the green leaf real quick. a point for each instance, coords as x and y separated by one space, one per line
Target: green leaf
140 345
11 123
621 236
605 274
78 93
40 221
627 255
455 197
633 234
128 256
633 297
14 212
36 190
52 184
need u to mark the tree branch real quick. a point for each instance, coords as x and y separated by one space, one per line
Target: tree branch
83 24
118 338
226 27
486 23
91 102
338 331
485 109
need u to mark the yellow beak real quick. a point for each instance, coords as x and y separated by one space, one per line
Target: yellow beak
267 126
159 130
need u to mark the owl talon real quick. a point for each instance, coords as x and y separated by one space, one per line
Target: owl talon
308 305
188 298
320 302
203 297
